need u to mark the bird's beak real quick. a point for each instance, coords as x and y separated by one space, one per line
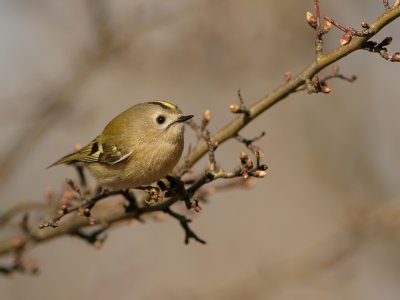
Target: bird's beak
180 119
184 118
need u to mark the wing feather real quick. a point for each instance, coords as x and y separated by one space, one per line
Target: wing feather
98 152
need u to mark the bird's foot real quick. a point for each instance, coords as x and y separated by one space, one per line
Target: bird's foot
155 194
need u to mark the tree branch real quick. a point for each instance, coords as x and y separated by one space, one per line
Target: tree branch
290 86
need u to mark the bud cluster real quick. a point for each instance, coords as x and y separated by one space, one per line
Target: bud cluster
248 168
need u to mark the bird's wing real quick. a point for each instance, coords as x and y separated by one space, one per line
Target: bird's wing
112 154
100 152
96 151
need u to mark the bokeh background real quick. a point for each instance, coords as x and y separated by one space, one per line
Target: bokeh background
323 224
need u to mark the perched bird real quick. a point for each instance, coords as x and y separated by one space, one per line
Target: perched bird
138 147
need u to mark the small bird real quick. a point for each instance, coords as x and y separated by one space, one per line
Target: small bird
138 147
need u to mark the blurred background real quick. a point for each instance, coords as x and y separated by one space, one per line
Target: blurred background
323 224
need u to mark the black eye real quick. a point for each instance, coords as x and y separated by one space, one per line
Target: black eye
160 119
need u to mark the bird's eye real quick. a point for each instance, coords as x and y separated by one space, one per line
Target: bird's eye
160 119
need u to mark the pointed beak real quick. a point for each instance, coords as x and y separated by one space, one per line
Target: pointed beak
180 119
184 118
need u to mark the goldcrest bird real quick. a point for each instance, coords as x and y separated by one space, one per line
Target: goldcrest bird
138 147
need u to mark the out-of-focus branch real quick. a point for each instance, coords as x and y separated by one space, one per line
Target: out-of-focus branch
20 208
360 226
57 103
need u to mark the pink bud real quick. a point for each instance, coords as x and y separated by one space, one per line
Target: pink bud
311 20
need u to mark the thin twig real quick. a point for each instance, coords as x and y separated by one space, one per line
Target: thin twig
189 234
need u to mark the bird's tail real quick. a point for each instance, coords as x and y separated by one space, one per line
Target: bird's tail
68 159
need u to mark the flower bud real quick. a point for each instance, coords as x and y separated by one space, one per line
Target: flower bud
326 26
63 210
84 212
235 108
288 76
396 57
346 38
259 153
207 116
243 157
364 25
215 145
326 89
311 20
259 173
198 208
249 164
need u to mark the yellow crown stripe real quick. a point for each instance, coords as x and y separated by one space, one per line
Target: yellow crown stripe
165 104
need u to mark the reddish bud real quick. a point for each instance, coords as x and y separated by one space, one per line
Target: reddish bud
396 57
364 25
215 145
243 157
235 108
311 20
249 164
64 209
326 26
207 116
86 212
198 208
259 153
259 173
326 89
346 38
288 76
